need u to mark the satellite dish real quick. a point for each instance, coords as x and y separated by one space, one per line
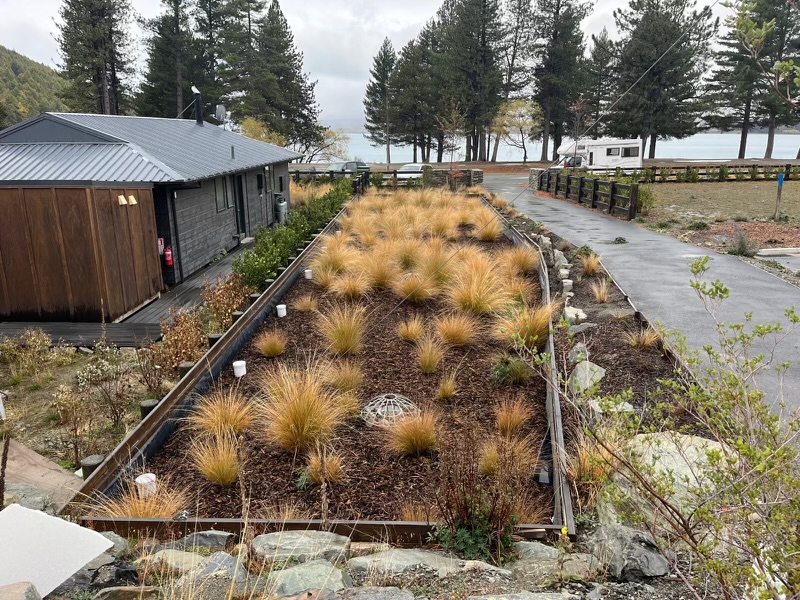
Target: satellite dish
220 113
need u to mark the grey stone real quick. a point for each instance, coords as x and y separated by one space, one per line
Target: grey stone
578 353
599 408
563 274
218 576
559 260
23 590
215 540
77 582
536 551
302 546
627 554
582 328
315 574
566 286
397 561
121 546
169 560
367 548
129 592
528 596
28 496
585 375
376 593
101 561
580 566
574 315
84 350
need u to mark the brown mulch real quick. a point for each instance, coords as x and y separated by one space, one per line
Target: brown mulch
766 234
378 482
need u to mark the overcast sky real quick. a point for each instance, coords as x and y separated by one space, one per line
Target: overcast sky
338 39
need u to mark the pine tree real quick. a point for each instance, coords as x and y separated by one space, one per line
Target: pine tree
240 70
171 63
209 24
95 57
558 73
600 68
410 105
668 100
379 97
475 43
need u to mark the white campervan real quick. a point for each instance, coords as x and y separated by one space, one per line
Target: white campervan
601 154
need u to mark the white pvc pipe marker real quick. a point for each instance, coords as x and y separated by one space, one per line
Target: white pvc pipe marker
308 273
239 368
146 482
281 308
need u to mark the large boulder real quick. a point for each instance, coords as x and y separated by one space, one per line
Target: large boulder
315 574
213 540
121 546
301 546
627 554
129 592
169 562
585 375
536 551
677 458
218 576
23 590
398 561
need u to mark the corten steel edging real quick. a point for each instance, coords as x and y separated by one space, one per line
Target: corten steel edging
154 429
563 514
396 532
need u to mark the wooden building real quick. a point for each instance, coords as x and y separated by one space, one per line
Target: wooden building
99 213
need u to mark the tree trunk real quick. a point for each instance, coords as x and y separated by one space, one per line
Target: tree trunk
557 136
545 134
415 148
482 142
524 151
770 136
745 127
439 146
652 152
496 146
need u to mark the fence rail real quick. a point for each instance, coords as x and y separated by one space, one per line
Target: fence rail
615 198
702 173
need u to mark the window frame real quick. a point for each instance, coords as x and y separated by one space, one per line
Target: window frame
221 193
615 151
626 152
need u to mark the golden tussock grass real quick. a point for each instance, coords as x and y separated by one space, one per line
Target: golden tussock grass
379 268
344 375
407 253
349 403
298 411
223 411
447 387
527 325
511 416
522 291
414 287
436 261
518 260
324 277
418 512
306 303
457 329
325 465
342 326
600 291
589 466
477 288
271 343
413 436
590 264
216 458
132 502
486 226
411 329
430 353
643 338
283 511
334 257
511 456
351 286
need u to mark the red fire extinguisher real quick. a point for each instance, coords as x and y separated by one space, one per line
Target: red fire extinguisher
168 257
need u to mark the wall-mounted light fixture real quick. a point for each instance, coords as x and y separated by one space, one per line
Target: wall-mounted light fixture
121 200
132 200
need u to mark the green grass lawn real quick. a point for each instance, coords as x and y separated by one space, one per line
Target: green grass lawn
705 201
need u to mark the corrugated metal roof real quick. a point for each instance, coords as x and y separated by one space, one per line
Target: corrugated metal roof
194 151
80 162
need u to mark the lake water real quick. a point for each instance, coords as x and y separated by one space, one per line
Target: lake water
697 147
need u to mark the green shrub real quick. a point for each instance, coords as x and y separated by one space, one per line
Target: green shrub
646 200
741 246
376 180
664 173
794 173
697 225
511 369
712 174
692 175
741 174
769 172
753 173
723 173
680 177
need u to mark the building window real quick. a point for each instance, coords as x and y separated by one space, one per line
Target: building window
612 151
630 152
221 193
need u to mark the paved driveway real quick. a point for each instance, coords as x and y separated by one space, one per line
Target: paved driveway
653 269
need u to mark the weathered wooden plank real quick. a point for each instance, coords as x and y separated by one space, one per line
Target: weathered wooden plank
31 468
86 334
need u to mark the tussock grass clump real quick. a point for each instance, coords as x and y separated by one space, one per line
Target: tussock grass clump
643 338
133 502
349 403
224 411
324 277
344 376
511 369
334 257
288 511
407 253
343 328
528 325
415 287
271 343
486 227
509 455
299 412
590 264
429 354
477 288
411 329
351 286
436 262
600 291
324 465
418 512
457 329
379 268
522 291
518 260
216 458
306 303
447 387
589 466
511 416
414 435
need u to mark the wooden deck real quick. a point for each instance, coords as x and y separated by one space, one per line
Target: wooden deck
127 335
186 294
27 467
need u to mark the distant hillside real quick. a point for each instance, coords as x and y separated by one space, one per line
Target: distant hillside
27 88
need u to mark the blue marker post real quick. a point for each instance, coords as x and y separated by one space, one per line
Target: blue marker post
777 215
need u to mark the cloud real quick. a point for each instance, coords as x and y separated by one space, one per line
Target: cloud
338 40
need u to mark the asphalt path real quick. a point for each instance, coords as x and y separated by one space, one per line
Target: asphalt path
653 269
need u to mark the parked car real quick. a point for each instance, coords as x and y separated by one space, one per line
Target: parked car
412 171
352 166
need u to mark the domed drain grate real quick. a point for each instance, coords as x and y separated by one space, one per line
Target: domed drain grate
385 409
